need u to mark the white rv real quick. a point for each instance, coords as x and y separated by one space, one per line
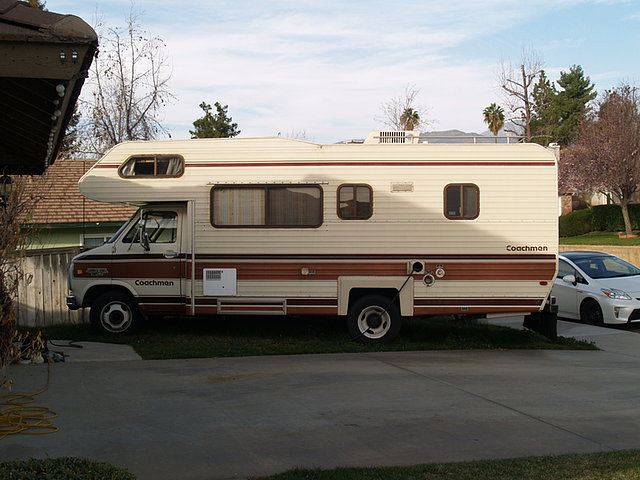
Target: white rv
375 232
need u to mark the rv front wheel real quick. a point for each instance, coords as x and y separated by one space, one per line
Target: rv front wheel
374 319
114 312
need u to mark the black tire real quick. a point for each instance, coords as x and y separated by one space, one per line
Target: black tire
374 319
114 312
591 313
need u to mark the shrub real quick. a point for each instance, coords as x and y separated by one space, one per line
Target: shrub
609 217
67 468
576 223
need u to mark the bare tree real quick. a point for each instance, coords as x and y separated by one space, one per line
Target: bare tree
297 134
129 86
606 155
516 83
402 113
15 208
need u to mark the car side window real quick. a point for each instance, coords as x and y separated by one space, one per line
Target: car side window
565 269
161 227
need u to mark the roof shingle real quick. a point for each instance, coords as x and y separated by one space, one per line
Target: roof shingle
60 201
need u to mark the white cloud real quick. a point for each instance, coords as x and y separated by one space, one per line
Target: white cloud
326 66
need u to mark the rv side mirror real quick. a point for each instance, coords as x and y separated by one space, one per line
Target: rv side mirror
144 241
569 279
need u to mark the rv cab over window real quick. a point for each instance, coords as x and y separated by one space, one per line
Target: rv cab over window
153 166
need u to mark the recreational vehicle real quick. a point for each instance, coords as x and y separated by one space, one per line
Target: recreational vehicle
376 231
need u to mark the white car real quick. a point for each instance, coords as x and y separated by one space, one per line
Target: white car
597 288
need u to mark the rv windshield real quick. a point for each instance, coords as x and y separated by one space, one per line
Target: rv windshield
124 226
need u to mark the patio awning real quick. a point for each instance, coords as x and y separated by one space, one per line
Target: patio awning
44 59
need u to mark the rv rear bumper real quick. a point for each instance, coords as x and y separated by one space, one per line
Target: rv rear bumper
72 303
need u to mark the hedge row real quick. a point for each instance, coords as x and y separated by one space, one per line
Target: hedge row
67 468
601 218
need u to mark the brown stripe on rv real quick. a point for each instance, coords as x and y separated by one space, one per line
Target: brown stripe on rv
158 269
438 258
152 309
477 301
368 164
332 270
355 164
463 309
312 301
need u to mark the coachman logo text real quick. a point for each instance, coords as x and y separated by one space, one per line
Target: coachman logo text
527 248
154 283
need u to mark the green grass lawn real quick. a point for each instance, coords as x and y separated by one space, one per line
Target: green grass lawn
621 465
600 238
248 336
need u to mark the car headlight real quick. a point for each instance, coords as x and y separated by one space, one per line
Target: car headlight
616 294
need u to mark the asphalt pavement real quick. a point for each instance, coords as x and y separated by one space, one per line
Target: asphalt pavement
227 418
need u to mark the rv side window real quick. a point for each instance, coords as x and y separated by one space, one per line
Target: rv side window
355 202
153 166
161 227
461 202
290 206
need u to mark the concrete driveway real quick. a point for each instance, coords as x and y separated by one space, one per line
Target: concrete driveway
239 417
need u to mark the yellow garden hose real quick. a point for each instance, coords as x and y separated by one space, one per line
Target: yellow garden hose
19 416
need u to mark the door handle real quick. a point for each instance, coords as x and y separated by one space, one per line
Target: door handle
170 254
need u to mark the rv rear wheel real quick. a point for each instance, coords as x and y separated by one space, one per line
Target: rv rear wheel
374 319
114 312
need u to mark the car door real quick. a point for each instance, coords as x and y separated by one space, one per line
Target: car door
148 259
566 293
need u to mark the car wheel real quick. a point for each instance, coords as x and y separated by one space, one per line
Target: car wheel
591 313
114 312
373 319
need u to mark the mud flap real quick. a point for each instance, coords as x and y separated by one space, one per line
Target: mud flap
544 322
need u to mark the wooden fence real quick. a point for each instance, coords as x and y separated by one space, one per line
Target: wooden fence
41 298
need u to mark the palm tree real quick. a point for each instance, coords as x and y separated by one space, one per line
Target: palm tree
410 119
494 118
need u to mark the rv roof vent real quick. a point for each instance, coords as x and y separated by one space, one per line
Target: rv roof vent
400 136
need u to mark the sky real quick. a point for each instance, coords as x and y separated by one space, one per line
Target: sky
321 69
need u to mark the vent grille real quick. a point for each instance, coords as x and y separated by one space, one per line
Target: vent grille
219 281
213 275
392 137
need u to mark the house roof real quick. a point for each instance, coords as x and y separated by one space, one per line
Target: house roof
44 60
60 201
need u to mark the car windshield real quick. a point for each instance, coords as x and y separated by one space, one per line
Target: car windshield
606 267
123 227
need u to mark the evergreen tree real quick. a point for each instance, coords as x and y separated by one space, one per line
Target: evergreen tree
571 103
70 146
37 4
216 125
545 120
